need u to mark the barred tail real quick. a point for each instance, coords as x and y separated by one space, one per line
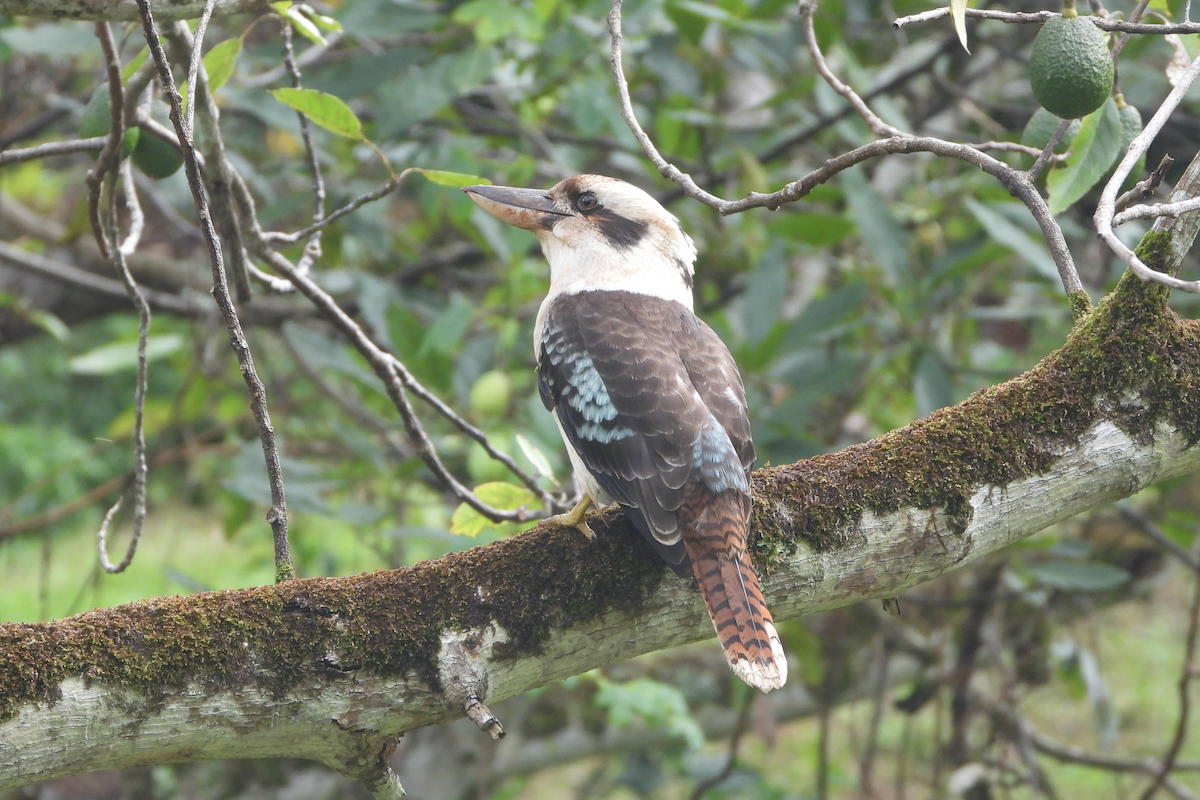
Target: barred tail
714 528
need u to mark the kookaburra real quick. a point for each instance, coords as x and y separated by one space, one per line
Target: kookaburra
647 398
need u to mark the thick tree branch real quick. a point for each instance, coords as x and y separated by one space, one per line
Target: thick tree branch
333 669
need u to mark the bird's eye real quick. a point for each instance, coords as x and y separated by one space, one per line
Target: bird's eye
587 202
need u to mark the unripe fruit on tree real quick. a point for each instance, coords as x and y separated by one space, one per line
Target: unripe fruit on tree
1070 68
491 394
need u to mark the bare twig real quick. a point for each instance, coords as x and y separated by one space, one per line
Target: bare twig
369 197
1040 17
878 126
137 220
482 716
52 149
52 268
391 372
349 403
1016 182
1105 210
1016 147
1048 151
216 171
1170 210
1155 533
104 228
388 368
667 170
312 250
1145 187
277 515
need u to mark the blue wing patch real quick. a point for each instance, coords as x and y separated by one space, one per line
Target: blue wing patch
717 463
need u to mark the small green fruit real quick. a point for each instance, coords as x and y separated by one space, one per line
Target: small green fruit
1131 126
483 468
155 157
491 394
1041 127
96 120
1070 67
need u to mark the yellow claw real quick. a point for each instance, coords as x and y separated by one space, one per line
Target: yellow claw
575 518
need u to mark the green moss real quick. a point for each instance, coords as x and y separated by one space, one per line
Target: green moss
1081 304
388 623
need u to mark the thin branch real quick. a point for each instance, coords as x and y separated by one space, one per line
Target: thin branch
1040 17
348 402
1017 147
218 175
1017 184
878 126
369 197
52 149
312 250
667 170
104 228
137 220
391 372
1105 210
17 527
388 368
1047 153
412 384
277 515
1170 210
1156 534
39 264
1147 186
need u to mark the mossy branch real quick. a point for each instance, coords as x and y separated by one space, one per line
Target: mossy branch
334 669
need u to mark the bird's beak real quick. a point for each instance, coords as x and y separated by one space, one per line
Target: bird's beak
531 209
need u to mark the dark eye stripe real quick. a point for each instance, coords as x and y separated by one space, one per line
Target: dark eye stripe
623 233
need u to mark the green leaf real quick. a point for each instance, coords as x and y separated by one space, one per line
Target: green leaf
134 65
220 61
766 288
466 521
1079 576
320 20
1004 232
824 313
1094 150
455 179
535 456
884 237
121 356
324 109
958 13
658 705
814 229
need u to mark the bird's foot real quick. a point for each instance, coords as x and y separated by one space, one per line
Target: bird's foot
575 518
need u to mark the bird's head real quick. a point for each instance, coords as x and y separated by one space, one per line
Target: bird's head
600 233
